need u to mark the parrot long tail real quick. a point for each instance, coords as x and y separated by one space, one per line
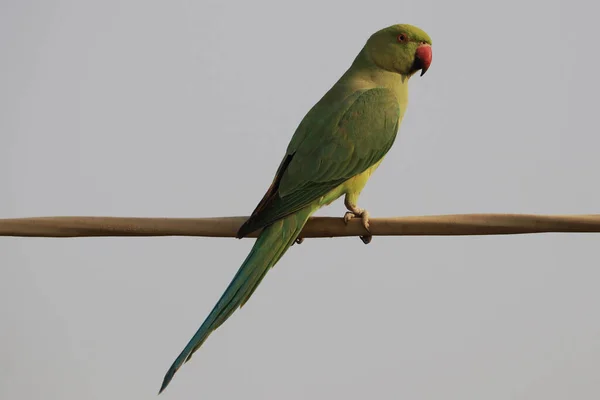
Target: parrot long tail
272 243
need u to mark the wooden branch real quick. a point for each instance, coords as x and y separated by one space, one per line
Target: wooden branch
465 224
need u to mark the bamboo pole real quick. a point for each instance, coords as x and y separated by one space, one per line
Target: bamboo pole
460 224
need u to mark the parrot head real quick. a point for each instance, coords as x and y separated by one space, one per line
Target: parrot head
404 49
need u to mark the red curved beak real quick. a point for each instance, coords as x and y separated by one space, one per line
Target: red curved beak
423 57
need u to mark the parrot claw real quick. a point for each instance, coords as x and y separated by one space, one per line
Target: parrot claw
364 215
348 216
298 241
366 239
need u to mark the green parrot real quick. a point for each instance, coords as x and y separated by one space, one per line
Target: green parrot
334 151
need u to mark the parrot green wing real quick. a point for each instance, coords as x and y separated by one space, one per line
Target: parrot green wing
327 150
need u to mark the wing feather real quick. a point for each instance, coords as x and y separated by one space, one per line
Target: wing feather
333 149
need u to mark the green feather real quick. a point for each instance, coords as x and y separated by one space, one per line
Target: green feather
336 147
268 249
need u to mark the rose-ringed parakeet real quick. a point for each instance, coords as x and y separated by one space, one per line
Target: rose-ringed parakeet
334 151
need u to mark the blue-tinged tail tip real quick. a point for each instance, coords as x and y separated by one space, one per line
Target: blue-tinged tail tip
167 379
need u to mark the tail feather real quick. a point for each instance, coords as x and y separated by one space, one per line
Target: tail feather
270 246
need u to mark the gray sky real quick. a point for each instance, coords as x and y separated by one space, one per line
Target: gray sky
180 108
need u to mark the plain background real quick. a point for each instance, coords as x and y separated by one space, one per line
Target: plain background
184 108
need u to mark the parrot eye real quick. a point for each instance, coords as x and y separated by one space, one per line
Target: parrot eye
402 38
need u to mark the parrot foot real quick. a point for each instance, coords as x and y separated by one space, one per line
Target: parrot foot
298 241
364 215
